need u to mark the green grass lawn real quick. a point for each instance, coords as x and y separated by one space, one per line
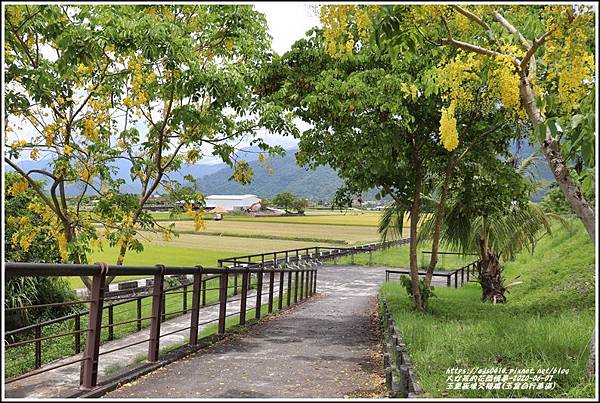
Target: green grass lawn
157 254
547 321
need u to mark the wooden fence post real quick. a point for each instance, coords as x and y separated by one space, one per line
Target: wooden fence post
197 284
89 375
157 304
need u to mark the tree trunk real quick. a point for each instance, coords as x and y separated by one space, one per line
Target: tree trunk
437 228
551 151
414 220
490 278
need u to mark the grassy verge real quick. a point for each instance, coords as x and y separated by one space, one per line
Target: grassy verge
546 323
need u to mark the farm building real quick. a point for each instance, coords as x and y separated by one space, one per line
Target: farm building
231 202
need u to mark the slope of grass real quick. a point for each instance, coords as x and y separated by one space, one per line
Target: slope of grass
547 322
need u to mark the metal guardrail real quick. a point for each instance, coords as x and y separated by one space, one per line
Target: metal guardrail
100 271
472 269
300 264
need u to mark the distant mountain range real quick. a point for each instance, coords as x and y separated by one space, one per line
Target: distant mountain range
286 176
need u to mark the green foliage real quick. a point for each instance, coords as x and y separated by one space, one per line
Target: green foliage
426 292
148 85
289 202
23 291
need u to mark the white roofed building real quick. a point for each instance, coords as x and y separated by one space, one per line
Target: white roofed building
231 202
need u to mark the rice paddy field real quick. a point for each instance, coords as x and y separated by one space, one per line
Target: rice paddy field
239 235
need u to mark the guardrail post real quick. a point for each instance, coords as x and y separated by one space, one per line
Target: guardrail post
301 284
38 347
244 298
455 280
78 334
111 333
204 283
462 276
163 311
315 281
157 305
196 285
280 299
271 285
139 313
448 280
184 299
89 375
295 286
222 301
259 283
307 283
289 288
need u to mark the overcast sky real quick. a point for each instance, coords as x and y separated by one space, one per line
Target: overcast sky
288 22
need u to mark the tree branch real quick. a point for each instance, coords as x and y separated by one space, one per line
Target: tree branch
476 49
510 28
534 47
472 17
33 184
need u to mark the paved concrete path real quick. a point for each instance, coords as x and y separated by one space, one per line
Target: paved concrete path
326 347
63 382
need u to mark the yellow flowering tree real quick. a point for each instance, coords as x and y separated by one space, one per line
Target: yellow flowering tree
91 88
376 123
539 61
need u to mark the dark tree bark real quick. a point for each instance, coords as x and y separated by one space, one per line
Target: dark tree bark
490 278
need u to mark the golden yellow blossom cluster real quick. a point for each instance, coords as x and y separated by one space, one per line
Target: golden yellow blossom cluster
448 130
505 80
344 25
571 67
